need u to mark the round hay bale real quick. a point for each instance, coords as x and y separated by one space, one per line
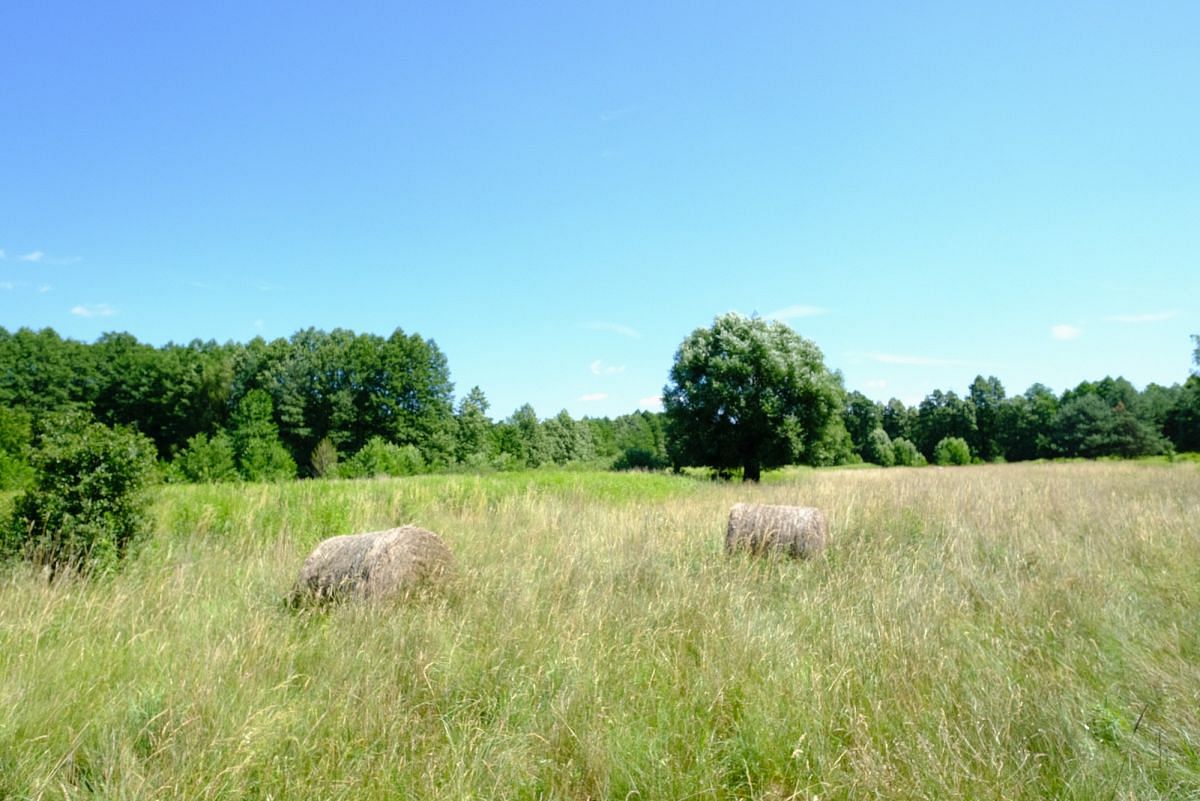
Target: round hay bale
797 531
375 565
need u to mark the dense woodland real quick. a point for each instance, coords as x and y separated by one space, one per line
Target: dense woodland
345 404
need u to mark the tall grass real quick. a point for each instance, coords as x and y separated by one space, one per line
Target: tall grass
1019 631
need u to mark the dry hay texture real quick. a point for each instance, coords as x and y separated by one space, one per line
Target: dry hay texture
798 531
372 566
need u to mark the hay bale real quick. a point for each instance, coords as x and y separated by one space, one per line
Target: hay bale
798 531
375 565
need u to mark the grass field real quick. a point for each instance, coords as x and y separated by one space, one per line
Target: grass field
1006 632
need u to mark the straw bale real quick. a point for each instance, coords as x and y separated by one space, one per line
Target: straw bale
798 531
374 565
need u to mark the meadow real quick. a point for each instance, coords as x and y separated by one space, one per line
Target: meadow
1021 631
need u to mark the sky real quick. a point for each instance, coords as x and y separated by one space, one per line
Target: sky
558 194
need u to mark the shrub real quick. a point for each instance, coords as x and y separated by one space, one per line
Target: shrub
952 451
15 436
878 449
382 458
324 459
906 453
640 459
88 503
207 460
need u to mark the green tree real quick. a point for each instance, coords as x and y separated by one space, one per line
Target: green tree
987 398
752 394
324 459
952 451
1182 421
207 459
567 440
16 439
89 502
1087 426
906 453
522 438
382 458
42 372
639 440
899 420
255 435
861 416
879 449
473 440
942 415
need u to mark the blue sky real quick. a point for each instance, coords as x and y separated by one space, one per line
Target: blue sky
559 194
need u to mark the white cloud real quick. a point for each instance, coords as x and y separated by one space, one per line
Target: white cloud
34 256
44 288
600 368
9 286
912 361
1152 317
612 115
95 310
2 254
876 383
652 403
614 328
258 325
795 312
1064 332
593 396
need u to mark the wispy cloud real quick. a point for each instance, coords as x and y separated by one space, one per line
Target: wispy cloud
94 310
1064 332
593 396
876 383
44 288
795 312
1152 317
2 255
653 402
614 114
913 361
600 368
9 286
614 328
33 256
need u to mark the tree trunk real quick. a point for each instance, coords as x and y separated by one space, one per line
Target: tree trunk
751 472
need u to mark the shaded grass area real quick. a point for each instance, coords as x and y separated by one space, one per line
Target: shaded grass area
1012 631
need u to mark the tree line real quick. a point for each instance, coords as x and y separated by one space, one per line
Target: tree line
1095 419
316 404
340 403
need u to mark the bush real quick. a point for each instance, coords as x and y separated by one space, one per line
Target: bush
15 436
88 503
324 459
952 451
382 458
879 449
206 460
906 453
640 459
267 460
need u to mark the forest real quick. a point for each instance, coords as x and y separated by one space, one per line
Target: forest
340 403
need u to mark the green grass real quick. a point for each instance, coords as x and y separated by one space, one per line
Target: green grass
1009 631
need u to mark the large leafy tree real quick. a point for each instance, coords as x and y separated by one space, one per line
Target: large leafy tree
752 394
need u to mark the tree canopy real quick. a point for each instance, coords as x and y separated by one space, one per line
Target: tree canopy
753 394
